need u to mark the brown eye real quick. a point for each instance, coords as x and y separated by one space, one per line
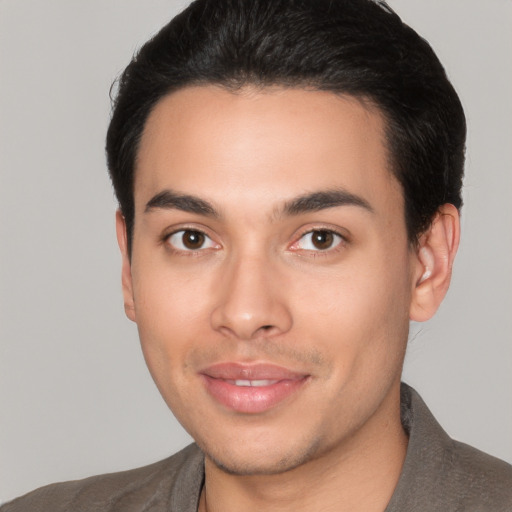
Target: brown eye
190 240
319 240
322 239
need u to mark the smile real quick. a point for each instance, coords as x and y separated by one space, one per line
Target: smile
251 389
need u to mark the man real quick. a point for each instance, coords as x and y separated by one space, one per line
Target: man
289 177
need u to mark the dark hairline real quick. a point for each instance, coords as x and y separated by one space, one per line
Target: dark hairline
423 120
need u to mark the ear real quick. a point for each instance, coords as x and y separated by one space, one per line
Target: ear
126 271
434 261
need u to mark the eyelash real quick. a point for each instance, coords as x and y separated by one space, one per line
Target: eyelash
339 245
187 252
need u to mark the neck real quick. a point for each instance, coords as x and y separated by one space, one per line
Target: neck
359 475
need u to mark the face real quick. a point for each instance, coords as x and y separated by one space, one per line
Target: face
271 275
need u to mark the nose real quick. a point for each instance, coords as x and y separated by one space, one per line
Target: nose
252 301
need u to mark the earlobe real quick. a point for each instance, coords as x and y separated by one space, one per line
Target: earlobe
126 270
434 261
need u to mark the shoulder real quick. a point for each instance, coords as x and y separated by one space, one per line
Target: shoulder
440 473
478 478
150 487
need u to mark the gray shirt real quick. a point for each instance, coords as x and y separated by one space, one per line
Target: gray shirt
439 474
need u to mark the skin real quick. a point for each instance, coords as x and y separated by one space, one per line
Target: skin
258 290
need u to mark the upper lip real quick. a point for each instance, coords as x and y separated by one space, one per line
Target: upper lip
258 371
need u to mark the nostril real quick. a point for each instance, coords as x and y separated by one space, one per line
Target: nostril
266 327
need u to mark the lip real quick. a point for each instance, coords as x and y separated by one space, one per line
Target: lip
251 388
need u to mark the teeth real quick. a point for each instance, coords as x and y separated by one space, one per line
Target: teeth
254 383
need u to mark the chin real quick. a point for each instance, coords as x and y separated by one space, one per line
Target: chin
262 461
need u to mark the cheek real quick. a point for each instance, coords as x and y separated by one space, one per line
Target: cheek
167 321
172 315
359 314
167 298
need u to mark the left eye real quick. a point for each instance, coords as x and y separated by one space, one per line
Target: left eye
190 240
319 240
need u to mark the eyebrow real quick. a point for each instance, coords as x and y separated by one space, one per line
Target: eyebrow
169 200
311 202
322 200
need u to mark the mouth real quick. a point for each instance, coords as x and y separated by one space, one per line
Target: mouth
251 388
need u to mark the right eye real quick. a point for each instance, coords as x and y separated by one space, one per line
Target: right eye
190 240
319 240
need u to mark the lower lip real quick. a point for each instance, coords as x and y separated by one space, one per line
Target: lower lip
251 399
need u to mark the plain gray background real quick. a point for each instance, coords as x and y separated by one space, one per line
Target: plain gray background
75 396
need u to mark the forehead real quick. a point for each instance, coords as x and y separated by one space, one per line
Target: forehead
267 144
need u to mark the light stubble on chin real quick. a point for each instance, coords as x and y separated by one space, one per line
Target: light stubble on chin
263 467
